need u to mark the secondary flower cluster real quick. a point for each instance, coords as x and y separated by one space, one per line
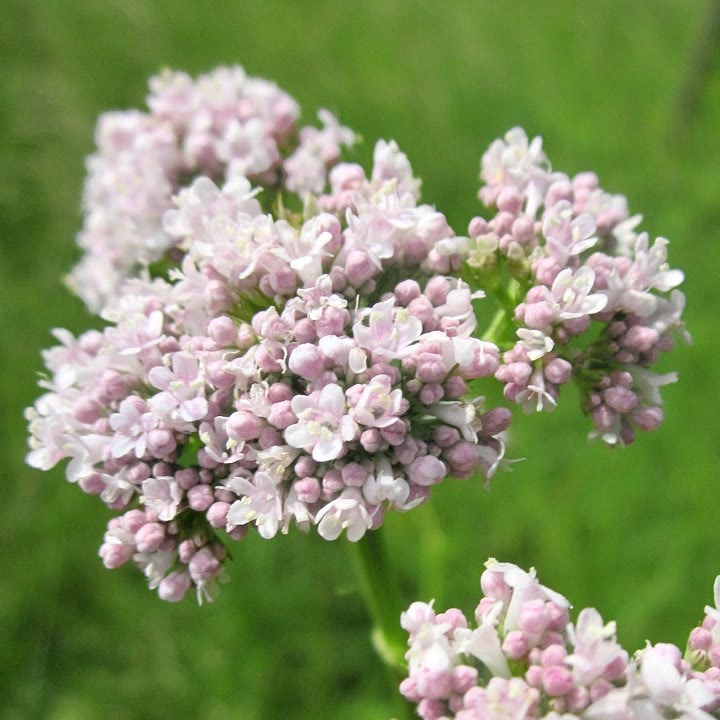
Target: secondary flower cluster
223 125
305 369
590 299
524 659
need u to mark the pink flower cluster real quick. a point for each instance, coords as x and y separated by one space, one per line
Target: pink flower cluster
591 300
524 659
293 341
224 125
294 369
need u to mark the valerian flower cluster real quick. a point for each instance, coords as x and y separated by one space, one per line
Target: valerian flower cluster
524 659
294 341
590 299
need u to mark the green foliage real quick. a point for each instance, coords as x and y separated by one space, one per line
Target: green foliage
632 532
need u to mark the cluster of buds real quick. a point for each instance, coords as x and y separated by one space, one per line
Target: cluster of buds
589 299
222 125
294 341
524 659
304 369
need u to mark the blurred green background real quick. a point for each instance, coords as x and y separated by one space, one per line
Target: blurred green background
620 87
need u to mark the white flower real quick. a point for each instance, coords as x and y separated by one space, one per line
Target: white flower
458 414
348 512
535 342
323 426
261 503
570 296
163 495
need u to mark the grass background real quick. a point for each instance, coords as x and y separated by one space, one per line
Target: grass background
610 87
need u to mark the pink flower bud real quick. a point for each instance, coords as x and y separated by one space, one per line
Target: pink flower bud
173 587
478 226
113 556
160 443
496 420
407 291
429 709
431 368
308 489
217 514
454 618
422 309
559 190
640 338
700 639
281 415
408 689
354 474
149 537
648 418
394 433
279 391
433 685
523 230
187 478
510 200
86 410
534 676
359 268
437 290
463 678
243 425
502 223
494 586
346 176
455 387
203 566
620 399
417 615
557 680
332 481
332 322
462 457
445 436
534 617
599 689
305 466
222 330
200 497
305 331
553 655
558 371
577 698
515 645
431 393
92 484
603 417
426 470
339 278
307 361
372 441
538 315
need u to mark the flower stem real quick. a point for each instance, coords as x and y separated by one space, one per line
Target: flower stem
499 328
378 584
379 588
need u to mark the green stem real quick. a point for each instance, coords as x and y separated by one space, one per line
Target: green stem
378 585
499 325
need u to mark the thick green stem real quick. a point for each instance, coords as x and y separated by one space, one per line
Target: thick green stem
378 584
379 588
